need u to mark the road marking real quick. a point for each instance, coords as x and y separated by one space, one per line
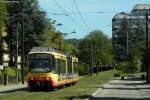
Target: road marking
98 90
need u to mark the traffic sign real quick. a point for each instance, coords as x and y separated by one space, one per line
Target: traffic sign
1 67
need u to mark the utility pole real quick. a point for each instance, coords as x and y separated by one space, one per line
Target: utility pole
91 58
17 55
127 44
22 54
147 34
147 50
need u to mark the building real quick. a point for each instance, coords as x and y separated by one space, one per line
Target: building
133 19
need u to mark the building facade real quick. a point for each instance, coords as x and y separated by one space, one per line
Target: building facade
134 20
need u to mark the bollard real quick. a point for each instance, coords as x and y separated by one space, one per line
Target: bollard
122 77
5 76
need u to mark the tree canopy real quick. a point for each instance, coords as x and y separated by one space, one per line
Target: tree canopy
2 15
98 45
31 21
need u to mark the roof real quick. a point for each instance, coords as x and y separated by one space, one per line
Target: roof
141 6
121 15
44 49
49 49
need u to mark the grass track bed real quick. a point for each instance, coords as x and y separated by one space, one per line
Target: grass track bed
83 89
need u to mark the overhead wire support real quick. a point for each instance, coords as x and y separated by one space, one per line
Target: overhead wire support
61 8
67 15
82 18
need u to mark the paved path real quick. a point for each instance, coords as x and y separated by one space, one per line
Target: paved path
128 89
8 88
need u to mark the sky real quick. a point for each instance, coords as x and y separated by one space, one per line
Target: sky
84 16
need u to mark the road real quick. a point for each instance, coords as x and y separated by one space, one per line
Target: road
8 88
127 89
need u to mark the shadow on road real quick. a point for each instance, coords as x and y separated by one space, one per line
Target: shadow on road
82 97
116 98
88 97
122 88
142 83
26 89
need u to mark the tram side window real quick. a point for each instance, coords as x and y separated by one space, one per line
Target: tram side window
69 62
54 65
61 66
75 64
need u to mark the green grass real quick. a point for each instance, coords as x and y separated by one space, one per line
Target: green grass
11 72
83 89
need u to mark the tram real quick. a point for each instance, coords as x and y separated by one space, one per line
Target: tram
50 68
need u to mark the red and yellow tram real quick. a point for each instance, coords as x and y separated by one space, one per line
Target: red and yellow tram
50 68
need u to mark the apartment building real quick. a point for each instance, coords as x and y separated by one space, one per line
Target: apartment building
137 16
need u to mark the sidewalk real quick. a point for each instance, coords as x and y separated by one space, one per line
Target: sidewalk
127 89
8 88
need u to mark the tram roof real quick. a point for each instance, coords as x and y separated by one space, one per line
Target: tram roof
45 49
49 49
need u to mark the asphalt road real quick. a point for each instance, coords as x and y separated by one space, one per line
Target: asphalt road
127 89
9 88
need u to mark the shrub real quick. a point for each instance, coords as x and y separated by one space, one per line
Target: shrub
133 65
11 72
128 67
83 69
123 67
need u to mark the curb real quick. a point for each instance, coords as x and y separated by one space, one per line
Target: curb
12 88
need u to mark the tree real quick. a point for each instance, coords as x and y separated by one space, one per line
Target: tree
96 45
2 15
136 39
135 44
2 26
31 22
120 50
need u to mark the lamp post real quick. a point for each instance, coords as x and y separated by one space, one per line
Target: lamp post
91 55
17 56
127 45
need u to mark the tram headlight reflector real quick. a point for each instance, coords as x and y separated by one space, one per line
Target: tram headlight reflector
48 78
31 78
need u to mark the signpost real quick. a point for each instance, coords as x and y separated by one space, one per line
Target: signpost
1 67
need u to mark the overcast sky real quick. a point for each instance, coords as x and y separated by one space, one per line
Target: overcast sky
88 20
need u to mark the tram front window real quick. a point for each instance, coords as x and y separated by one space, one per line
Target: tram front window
40 65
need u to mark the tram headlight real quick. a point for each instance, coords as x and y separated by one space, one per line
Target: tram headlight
31 78
48 78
